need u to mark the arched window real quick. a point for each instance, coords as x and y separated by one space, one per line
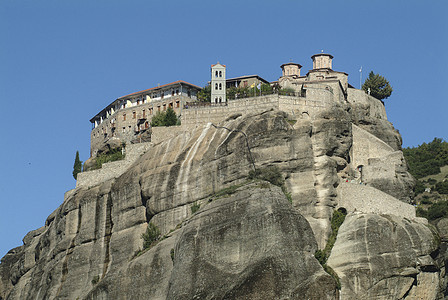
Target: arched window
216 73
220 86
220 74
220 99
216 86
216 100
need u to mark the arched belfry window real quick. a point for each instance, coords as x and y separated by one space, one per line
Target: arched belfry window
216 99
220 99
220 86
216 86
216 73
220 73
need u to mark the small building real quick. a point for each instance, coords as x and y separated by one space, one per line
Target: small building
245 81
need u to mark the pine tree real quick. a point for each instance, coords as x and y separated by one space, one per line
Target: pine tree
77 167
170 117
378 85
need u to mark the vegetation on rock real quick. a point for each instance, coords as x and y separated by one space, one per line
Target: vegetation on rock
77 167
322 255
151 235
113 155
195 207
378 86
273 175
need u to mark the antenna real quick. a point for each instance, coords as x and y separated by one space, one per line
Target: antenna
360 77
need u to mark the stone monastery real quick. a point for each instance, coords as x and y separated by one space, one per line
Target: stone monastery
128 118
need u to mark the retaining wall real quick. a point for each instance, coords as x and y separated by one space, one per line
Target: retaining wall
357 197
112 169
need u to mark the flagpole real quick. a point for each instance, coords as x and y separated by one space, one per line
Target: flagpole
360 78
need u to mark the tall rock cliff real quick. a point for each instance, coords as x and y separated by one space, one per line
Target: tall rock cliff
247 241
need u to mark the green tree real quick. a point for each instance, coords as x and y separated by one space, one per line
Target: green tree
266 89
378 85
205 95
77 167
170 117
158 119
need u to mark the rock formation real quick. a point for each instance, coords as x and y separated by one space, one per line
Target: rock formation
247 241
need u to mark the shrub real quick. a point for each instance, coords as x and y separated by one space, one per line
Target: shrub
322 255
195 207
151 235
442 187
271 174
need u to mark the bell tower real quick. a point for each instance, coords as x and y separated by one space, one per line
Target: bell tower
218 83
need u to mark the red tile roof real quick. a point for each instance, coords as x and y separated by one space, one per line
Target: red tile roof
159 87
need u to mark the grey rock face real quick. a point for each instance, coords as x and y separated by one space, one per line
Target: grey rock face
251 245
385 257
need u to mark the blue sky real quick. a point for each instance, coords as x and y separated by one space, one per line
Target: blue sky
62 61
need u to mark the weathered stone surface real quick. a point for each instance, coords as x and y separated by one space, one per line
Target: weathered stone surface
251 245
86 248
385 257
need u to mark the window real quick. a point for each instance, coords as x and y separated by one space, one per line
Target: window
220 74
124 129
172 93
133 115
161 95
138 101
124 117
216 86
216 100
144 113
220 99
216 73
177 104
177 92
170 105
220 86
189 93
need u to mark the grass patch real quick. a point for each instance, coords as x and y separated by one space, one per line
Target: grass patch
226 192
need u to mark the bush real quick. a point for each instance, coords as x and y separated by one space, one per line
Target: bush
151 235
271 174
427 159
442 187
195 207
435 211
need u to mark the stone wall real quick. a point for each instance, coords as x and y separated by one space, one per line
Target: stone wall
316 100
367 146
355 197
112 169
